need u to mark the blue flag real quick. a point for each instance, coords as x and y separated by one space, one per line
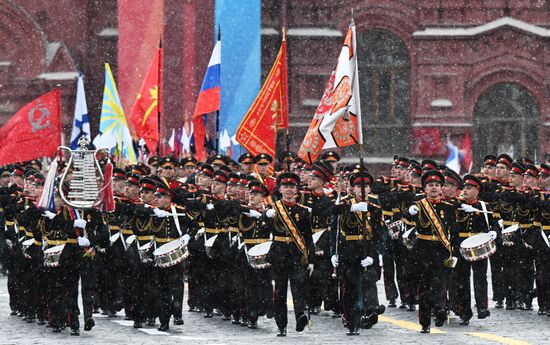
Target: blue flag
240 25
81 123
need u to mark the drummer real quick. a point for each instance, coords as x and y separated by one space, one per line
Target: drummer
143 289
255 230
472 219
168 223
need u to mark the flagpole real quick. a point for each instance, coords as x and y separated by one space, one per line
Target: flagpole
287 138
159 122
360 137
217 120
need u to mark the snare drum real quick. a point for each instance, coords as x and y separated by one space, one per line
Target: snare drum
169 254
478 247
257 256
316 236
394 228
144 252
509 232
208 246
52 255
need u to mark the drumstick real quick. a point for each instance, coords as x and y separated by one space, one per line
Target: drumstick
477 210
171 214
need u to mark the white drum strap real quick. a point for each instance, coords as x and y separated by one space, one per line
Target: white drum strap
176 219
484 208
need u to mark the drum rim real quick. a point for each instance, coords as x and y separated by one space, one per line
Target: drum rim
487 235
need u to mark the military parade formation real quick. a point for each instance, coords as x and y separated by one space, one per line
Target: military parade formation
237 236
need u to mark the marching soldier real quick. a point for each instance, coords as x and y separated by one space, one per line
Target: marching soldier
473 218
323 288
291 255
434 220
263 162
168 223
246 162
255 229
362 227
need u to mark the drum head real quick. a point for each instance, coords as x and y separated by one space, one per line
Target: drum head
317 235
210 242
167 247
476 241
130 239
260 249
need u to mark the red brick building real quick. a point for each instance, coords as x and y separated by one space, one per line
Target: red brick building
428 69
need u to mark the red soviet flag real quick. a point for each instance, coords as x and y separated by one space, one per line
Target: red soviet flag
145 112
34 131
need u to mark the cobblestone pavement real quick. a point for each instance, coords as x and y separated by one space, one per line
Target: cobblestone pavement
395 326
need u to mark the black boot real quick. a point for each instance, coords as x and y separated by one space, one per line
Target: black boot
301 322
151 321
440 318
89 324
499 305
353 331
483 314
253 325
75 331
282 332
178 321
56 329
163 327
425 329
392 304
138 324
464 321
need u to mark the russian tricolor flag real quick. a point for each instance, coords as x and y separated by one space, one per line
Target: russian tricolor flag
209 98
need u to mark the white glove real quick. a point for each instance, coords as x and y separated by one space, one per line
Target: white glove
366 262
9 243
185 238
270 213
210 206
413 210
161 213
334 260
83 242
359 207
468 208
80 223
49 214
310 269
254 214
199 233
493 234
308 209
